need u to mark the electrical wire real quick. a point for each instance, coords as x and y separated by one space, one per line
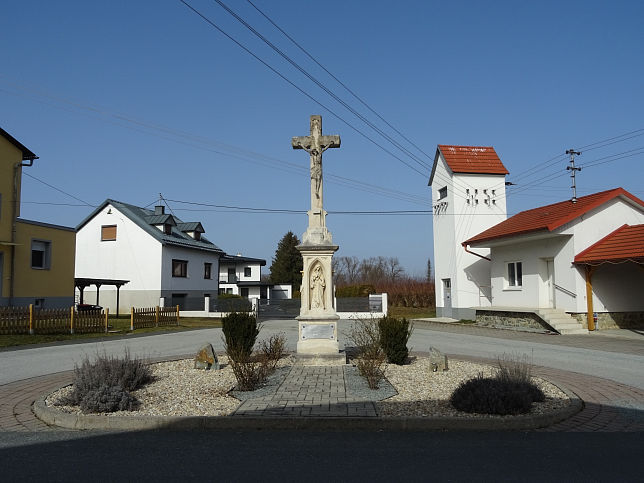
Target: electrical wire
59 190
338 80
319 103
312 78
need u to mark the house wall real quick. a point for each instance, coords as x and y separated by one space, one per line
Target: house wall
614 287
9 156
239 271
591 228
454 221
53 285
533 255
134 255
194 286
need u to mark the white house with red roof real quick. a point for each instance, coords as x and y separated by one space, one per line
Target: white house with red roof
580 258
564 264
468 196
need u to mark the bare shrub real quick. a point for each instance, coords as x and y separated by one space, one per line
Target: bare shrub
370 358
252 370
273 349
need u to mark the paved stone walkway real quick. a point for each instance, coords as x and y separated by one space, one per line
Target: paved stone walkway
317 391
320 391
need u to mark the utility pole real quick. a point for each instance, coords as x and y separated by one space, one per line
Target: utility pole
572 170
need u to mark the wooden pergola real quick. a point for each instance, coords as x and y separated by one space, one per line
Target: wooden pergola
624 245
82 283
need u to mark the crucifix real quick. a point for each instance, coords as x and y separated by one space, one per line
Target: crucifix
315 145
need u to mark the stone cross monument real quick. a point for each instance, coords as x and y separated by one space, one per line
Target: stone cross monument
318 327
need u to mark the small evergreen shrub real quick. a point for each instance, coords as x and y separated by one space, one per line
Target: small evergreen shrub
104 385
489 395
510 391
394 334
108 399
240 333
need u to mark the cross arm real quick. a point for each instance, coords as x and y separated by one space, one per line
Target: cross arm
301 142
330 141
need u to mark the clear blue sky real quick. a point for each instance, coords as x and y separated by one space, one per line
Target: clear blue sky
127 100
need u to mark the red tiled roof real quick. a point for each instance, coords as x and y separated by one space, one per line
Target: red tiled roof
625 243
472 159
549 217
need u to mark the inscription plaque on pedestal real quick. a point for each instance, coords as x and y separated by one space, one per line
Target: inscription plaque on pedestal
318 331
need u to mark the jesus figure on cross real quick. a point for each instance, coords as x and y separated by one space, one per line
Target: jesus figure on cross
315 145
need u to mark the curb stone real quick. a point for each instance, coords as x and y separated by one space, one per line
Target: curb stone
55 417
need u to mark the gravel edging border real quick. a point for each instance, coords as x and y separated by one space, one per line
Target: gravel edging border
55 417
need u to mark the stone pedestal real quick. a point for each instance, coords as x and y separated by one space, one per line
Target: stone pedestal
318 321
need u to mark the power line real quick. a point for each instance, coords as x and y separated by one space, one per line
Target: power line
237 152
275 71
337 80
312 78
58 189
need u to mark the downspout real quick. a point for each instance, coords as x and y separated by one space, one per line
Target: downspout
477 254
589 297
14 216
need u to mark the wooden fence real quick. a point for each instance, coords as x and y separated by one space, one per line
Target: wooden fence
153 317
30 320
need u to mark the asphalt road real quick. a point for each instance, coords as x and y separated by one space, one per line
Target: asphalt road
320 456
626 368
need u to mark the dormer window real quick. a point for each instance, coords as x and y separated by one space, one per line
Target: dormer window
442 193
167 229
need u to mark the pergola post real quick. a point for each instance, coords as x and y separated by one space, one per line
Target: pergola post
589 296
118 290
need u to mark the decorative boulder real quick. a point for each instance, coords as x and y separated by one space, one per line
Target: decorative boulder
206 358
438 360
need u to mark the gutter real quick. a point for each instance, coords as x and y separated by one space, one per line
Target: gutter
474 253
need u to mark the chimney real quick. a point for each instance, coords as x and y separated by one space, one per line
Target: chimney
159 210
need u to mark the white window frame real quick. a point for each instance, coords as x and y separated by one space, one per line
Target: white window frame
514 275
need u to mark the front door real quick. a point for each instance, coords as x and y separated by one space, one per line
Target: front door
550 282
447 297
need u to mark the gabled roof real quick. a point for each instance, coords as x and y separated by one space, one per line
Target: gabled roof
470 160
142 217
26 153
624 244
165 219
550 217
191 226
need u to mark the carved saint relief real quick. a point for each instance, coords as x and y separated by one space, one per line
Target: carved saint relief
317 288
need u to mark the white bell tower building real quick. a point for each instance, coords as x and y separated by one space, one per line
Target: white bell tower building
468 197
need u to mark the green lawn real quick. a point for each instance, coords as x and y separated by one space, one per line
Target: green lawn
412 312
117 327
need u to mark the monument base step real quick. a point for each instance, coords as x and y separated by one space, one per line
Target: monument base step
339 359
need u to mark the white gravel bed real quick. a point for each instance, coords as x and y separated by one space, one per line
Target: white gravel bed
181 390
423 393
